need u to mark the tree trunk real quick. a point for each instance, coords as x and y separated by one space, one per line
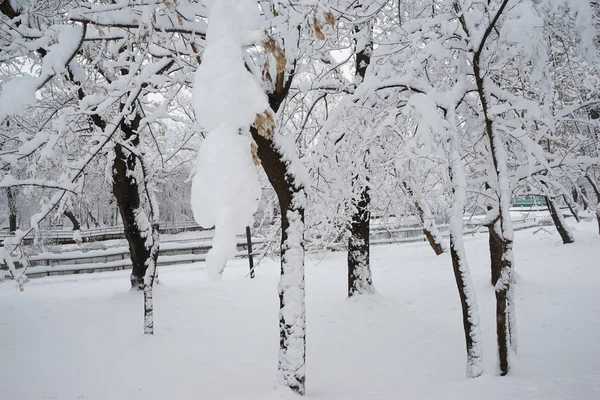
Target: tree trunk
572 206
584 198
504 308
502 332
462 274
149 281
69 214
597 192
12 210
359 269
435 244
496 251
126 191
280 171
559 221
470 317
292 309
434 238
94 220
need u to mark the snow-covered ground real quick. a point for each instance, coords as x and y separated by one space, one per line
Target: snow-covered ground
80 337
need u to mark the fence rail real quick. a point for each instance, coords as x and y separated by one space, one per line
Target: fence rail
65 236
171 253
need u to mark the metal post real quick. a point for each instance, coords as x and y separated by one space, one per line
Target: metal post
250 260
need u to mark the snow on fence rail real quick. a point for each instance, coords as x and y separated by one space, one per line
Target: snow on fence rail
117 258
61 236
185 252
65 236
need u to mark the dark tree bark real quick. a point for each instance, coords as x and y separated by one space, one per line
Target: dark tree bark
359 270
437 247
69 214
505 318
584 198
502 331
460 267
12 210
572 207
94 220
596 190
292 334
149 282
503 309
496 252
559 222
291 196
434 240
7 9
127 192
470 317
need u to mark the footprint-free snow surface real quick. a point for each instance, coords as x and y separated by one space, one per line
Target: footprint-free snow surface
80 337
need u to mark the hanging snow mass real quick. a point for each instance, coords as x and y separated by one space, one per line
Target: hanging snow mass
226 99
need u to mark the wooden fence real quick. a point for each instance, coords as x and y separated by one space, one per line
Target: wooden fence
185 252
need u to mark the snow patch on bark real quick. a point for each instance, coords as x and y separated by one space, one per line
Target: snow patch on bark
292 314
459 185
363 280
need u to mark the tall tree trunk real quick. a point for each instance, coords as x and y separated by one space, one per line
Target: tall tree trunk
496 251
559 221
126 189
505 317
280 168
434 238
597 192
127 192
12 210
470 316
292 310
149 280
462 274
359 269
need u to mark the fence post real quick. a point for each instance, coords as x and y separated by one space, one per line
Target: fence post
250 260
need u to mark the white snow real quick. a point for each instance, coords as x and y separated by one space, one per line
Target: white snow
225 92
226 99
225 192
17 94
80 337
